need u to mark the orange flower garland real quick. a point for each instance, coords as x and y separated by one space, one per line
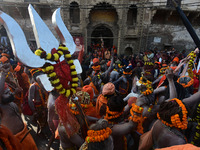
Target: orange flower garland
98 136
175 119
113 114
135 118
73 107
188 84
148 86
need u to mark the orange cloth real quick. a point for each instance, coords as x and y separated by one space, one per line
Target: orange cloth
108 89
28 143
173 67
181 147
10 141
5 54
89 90
95 89
3 59
176 59
161 81
91 111
96 68
101 100
108 64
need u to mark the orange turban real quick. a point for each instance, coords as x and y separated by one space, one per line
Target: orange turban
108 89
176 59
95 60
89 90
108 64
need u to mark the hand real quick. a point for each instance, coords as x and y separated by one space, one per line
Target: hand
169 74
196 51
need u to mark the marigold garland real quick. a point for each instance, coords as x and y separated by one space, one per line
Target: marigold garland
197 133
112 114
98 136
135 118
175 119
49 69
188 84
74 110
148 85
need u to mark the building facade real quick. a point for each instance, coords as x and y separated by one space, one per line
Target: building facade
131 25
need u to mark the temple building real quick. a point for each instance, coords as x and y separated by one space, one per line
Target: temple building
131 25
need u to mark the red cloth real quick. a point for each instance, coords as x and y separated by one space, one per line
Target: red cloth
62 70
176 59
66 117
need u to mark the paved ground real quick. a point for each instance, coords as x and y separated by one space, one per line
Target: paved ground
41 140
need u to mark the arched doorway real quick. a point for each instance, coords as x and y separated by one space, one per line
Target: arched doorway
128 51
102 32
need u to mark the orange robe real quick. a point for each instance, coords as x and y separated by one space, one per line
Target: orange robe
181 147
28 143
101 100
9 140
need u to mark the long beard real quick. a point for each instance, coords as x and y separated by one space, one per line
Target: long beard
8 99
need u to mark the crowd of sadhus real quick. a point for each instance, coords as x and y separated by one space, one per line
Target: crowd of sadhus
145 101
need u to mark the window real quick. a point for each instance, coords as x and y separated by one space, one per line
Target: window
132 15
74 12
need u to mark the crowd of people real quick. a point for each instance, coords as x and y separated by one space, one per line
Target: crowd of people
146 101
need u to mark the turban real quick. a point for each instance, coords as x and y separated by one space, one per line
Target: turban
95 61
108 89
176 59
89 90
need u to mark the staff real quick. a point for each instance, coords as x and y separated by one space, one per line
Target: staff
187 24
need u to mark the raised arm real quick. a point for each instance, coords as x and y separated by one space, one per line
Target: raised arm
172 88
123 129
4 68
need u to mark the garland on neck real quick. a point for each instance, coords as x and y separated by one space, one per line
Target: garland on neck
148 85
190 83
139 119
98 136
49 69
112 114
175 119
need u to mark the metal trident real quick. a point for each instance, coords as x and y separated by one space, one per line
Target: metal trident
44 39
